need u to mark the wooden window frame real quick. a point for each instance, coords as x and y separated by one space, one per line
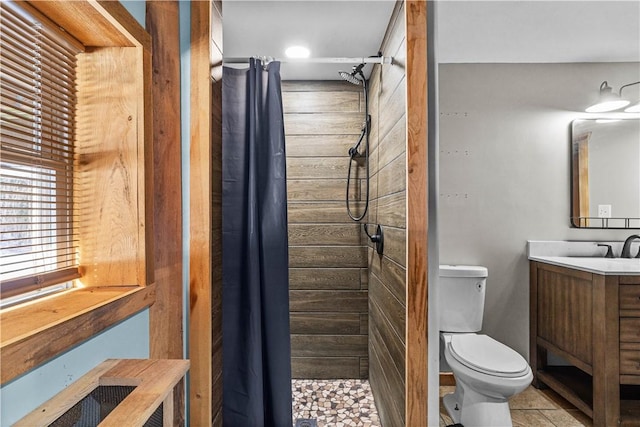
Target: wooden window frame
114 160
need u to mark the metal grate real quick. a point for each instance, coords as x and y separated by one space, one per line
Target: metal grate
306 422
93 409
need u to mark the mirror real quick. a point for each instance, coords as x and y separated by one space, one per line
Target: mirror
605 169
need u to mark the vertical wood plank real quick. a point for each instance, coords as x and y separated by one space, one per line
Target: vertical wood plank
167 410
201 239
165 316
537 356
606 351
115 206
179 404
417 214
146 233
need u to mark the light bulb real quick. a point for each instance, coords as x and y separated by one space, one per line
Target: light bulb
603 107
633 109
297 52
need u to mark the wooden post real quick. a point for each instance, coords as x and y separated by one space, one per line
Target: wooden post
417 215
166 313
606 351
165 316
205 253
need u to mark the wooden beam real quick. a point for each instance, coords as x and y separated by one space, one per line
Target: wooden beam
202 240
96 23
417 214
166 314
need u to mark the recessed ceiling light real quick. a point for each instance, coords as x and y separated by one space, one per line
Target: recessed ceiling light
297 52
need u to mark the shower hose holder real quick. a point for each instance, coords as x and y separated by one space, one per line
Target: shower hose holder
377 239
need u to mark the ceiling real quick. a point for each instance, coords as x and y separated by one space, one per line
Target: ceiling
467 31
538 31
327 28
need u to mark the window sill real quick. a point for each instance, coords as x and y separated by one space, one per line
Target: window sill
34 332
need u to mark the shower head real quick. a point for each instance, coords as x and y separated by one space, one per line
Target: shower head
351 77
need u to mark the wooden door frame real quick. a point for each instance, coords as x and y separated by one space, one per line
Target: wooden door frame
205 397
416 376
205 217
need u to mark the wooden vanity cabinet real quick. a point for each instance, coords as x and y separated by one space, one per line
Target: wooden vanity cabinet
593 322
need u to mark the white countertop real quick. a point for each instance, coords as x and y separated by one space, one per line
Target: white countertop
605 266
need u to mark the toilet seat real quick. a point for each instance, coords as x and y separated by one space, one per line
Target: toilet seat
486 355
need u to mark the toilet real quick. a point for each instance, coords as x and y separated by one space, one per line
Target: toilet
487 372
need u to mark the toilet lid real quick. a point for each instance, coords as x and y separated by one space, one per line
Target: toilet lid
484 354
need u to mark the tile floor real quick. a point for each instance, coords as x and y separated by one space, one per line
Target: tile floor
533 408
335 403
348 402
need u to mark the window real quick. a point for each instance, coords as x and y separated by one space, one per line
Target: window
109 195
37 244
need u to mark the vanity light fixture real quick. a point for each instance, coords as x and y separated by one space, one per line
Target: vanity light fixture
633 108
610 101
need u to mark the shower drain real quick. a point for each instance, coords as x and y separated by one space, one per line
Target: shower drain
306 422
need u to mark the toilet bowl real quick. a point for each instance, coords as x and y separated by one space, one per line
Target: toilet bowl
487 374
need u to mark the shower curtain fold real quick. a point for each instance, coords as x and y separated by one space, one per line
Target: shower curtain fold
255 295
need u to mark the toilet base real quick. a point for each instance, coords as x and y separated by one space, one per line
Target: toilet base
472 409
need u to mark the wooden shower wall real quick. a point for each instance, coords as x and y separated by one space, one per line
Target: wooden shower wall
387 273
327 256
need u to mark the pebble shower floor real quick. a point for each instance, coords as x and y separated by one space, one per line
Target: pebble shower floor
335 403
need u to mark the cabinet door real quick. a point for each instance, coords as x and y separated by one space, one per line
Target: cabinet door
565 312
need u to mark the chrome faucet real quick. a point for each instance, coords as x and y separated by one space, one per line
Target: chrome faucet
626 249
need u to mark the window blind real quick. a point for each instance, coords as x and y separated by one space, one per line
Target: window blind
38 99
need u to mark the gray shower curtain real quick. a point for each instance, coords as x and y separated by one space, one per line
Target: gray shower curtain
255 296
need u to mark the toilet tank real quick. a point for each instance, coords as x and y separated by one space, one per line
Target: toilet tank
461 290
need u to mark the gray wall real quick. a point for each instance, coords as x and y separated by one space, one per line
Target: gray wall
504 172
